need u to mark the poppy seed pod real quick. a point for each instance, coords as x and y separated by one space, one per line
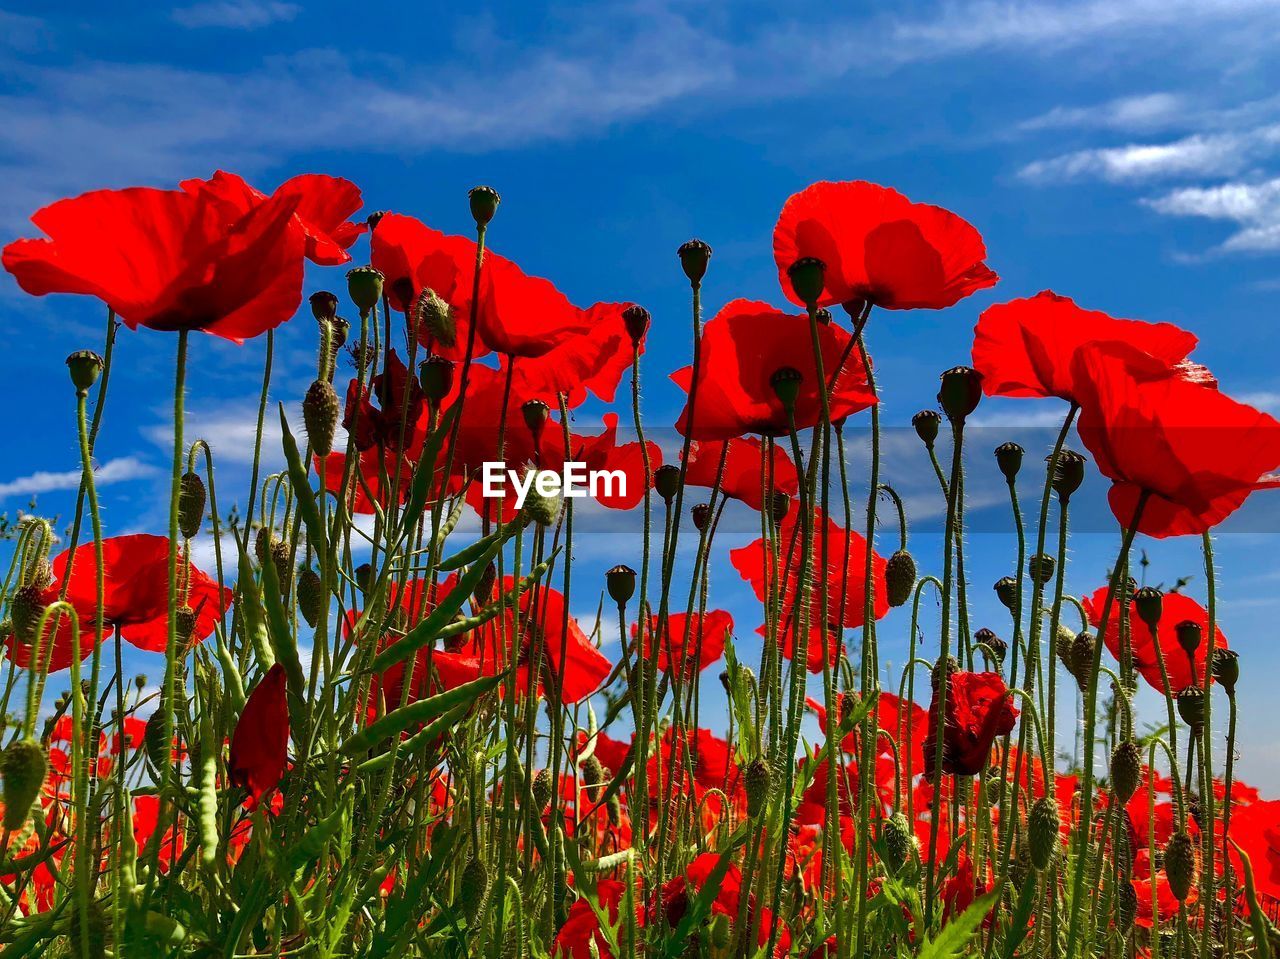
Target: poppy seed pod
1041 567
324 305
636 320
310 595
1149 602
1126 770
1043 823
899 577
24 768
666 481
621 583
1191 707
320 412
899 841
926 423
1226 668
701 514
1006 588
1068 473
484 204
960 392
757 779
85 367
1009 459
535 413
1180 864
435 373
786 385
694 257
191 499
473 889
1189 635
364 286
541 789
435 317
988 638
808 276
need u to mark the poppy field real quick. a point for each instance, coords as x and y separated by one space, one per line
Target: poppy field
383 726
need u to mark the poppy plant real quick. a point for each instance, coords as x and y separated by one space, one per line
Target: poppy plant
581 936
589 362
395 422
879 247
744 460
979 708
696 640
260 741
675 899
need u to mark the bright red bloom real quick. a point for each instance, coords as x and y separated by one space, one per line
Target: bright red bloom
581 927
260 741
135 598
1196 451
710 757
880 247
168 260
323 205
843 575
899 719
979 708
593 361
1257 829
697 640
1177 608
675 895
743 346
394 423
743 465
1026 347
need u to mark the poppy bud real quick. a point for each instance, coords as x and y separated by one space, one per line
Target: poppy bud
1009 459
786 385
484 204
473 889
40 575
1068 473
374 218
324 306
942 668
191 497
484 588
1041 567
87 936
808 276
694 256
993 642
364 577
364 286
320 412
636 319
757 780
85 366
1081 657
535 413
621 582
282 559
779 506
1150 604
666 480
899 841
701 513
25 609
434 315
1126 905
310 595
1043 823
593 777
824 317
1126 770
24 767
1189 635
435 373
1191 707
543 510
960 392
899 577
153 740
541 790
184 625
1226 668
1180 864
926 423
1006 588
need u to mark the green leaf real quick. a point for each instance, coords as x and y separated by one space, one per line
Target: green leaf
1019 922
250 607
425 472
1257 919
302 851
411 745
953 941
423 711
284 644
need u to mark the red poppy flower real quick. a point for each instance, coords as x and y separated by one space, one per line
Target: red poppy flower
146 820
843 575
1257 829
1026 347
1164 898
323 205
260 741
743 346
611 752
675 898
168 260
880 247
1177 608
397 421
743 464
135 598
979 708
896 718
581 930
697 640
593 361
1198 453
710 758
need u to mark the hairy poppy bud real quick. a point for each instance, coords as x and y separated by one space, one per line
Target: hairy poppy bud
1180 864
320 416
1081 657
185 626
310 595
24 767
779 506
87 932
593 777
786 385
941 668
993 783
434 316
435 373
1068 473
999 648
1041 567
899 841
666 480
808 276
473 889
85 366
541 790
694 257
153 740
540 509
1009 459
621 582
324 305
1126 769
701 514
282 559
25 609
1226 668
899 577
636 319
40 575
1126 905
484 203
960 392
1150 604
1043 823
364 577
1191 707
364 286
926 423
757 780
1006 588
1189 635
191 497
535 413
484 588
374 218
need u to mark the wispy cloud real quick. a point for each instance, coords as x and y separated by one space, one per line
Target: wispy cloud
1141 112
1253 207
236 14
120 470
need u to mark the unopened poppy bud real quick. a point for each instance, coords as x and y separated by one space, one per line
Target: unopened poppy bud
927 423
364 577
473 889
1043 823
154 742
1191 706
1081 657
808 276
993 784
960 392
484 588
324 306
823 316
24 767
310 595
899 841
899 577
701 514
1226 668
282 559
1180 864
694 257
1041 567
757 779
435 373
621 582
185 626
374 218
434 316
484 204
85 367
25 609
541 790
988 638
320 411
1126 770
540 509
1126 905
1009 459
593 777
1189 635
1149 602
786 385
191 498
364 286
535 413
666 480
941 668
1068 473
40 575
779 506
636 319
1006 588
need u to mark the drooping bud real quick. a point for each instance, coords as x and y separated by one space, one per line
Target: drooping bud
310 595
434 316
1041 567
701 516
24 768
364 286
25 609
960 392
899 841
808 277
40 575
1226 668
484 588
1009 459
184 626
636 319
435 373
324 306
541 790
191 498
899 577
1191 707
320 412
694 257
473 889
1180 864
1126 905
666 481
1189 635
484 204
1068 473
779 506
621 583
993 783
926 423
1043 824
85 367
541 508
993 642
1126 770
786 385
1006 588
1150 604
535 413
757 780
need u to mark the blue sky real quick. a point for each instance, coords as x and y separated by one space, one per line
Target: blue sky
1126 153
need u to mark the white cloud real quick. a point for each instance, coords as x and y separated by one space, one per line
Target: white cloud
1254 207
1140 112
120 470
236 14
1197 155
